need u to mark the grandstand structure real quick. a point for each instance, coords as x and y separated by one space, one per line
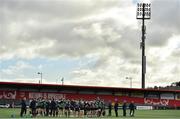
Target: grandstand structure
13 92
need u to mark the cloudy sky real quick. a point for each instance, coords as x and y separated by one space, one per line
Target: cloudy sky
88 42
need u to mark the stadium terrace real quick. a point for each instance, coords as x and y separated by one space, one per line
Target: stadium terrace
13 92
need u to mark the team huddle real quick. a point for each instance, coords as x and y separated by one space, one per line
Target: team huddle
66 108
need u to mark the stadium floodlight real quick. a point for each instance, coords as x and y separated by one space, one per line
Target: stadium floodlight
62 80
143 13
130 78
40 73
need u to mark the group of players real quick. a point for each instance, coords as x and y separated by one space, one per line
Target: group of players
67 108
72 108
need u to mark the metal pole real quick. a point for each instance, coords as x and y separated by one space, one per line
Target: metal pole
41 77
130 79
62 80
143 50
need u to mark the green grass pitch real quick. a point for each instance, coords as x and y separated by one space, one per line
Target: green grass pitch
139 114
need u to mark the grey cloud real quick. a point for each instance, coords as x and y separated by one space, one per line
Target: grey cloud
53 8
176 53
165 21
67 42
65 24
48 25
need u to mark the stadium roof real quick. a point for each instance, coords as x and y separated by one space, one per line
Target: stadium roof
19 84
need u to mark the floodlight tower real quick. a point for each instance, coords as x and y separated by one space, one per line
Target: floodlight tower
143 13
